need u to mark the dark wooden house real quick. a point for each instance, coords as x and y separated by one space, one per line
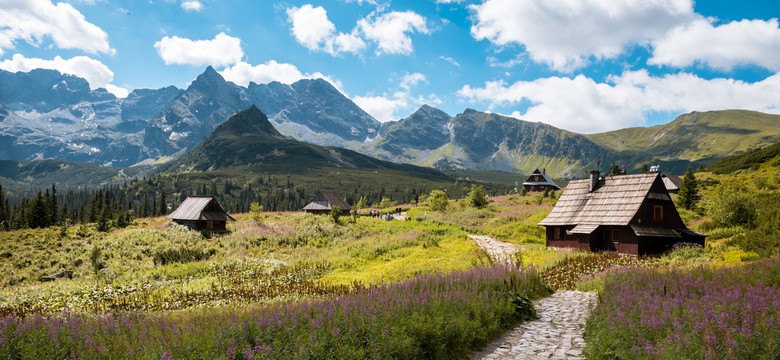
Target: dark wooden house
202 213
630 214
324 201
540 181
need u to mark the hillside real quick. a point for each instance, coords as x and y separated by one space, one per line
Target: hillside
699 137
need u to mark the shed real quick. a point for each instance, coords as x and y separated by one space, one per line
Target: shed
324 201
540 181
202 213
630 214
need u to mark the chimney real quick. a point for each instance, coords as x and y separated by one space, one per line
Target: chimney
594 180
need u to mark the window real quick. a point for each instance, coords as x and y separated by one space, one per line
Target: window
613 235
557 233
658 213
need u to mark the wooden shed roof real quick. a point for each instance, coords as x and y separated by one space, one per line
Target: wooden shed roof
200 208
615 202
325 200
671 182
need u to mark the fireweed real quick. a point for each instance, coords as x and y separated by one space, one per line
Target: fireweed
704 313
437 316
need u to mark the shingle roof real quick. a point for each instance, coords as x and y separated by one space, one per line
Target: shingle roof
615 202
671 182
547 179
200 208
325 200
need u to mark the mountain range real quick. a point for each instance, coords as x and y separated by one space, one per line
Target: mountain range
47 115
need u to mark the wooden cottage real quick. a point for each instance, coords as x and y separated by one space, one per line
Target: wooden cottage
671 182
202 213
324 201
630 214
540 181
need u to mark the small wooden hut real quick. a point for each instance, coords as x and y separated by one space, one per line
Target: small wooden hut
540 181
324 201
202 213
630 214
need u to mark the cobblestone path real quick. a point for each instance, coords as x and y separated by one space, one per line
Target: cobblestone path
499 251
557 334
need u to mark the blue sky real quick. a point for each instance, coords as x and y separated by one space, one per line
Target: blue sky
586 66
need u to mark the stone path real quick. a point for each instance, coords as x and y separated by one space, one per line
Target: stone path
499 251
557 334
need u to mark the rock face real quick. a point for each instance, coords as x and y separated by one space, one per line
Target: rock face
47 115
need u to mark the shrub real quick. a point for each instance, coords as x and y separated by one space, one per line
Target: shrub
477 197
437 200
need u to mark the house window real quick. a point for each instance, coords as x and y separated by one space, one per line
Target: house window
613 235
557 233
658 213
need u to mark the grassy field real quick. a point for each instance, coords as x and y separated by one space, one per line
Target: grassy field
300 265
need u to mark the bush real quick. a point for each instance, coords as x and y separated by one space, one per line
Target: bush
477 197
437 200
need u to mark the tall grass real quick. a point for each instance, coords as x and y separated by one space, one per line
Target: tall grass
704 313
436 316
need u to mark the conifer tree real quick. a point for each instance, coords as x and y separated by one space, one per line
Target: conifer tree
689 191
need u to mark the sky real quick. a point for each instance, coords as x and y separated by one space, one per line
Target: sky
584 66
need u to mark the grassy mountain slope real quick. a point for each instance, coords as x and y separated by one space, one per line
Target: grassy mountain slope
22 178
699 136
750 160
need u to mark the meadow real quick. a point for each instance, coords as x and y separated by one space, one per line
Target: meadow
364 287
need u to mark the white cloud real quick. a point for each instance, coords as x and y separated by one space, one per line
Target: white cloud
95 72
312 29
395 105
566 34
223 50
191 5
584 105
449 60
410 80
380 107
721 47
32 21
243 73
390 31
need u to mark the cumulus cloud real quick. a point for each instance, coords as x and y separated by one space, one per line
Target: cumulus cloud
584 105
390 31
223 50
97 74
312 29
755 42
243 73
394 105
566 34
33 21
191 5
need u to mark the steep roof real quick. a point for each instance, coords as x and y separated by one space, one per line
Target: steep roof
615 202
671 182
547 179
325 201
200 208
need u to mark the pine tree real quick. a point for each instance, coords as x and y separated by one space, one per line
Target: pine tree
54 210
163 207
39 214
689 191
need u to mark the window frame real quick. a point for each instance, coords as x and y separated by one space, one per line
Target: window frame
658 213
